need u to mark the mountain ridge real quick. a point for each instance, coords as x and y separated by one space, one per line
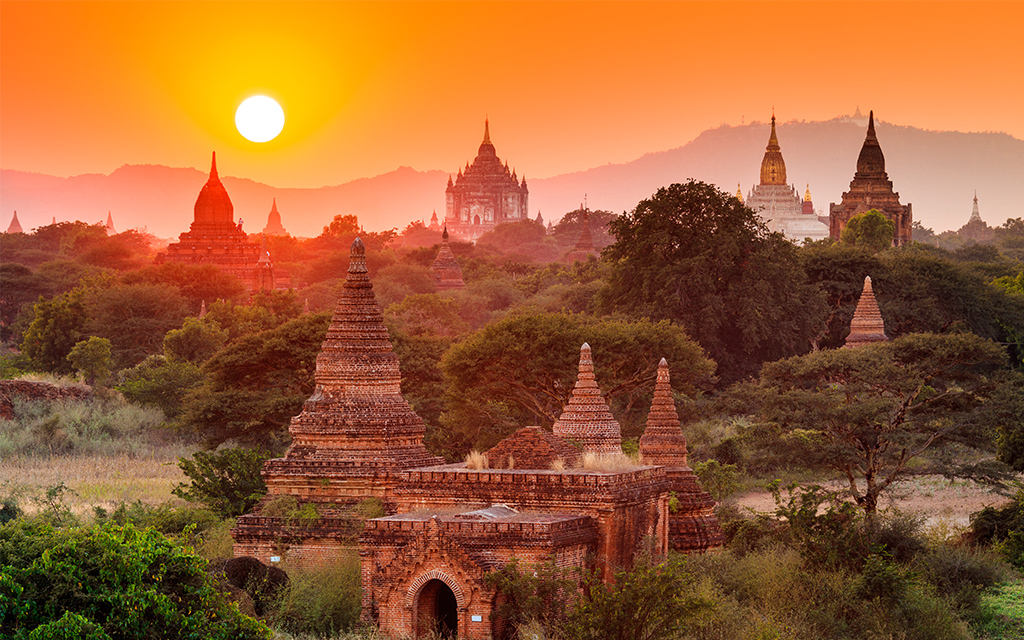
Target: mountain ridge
936 171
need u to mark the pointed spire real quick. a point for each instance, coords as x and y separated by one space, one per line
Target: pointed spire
871 125
110 224
773 167
663 442
487 132
975 213
202 309
739 192
444 234
15 226
587 418
867 325
773 139
807 194
305 306
445 269
871 161
213 168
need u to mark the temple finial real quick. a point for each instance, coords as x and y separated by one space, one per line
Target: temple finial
213 168
871 125
487 132
444 234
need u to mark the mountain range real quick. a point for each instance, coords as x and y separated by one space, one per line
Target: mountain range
937 171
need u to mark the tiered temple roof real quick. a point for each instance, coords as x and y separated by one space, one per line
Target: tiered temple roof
663 442
445 269
587 418
871 189
867 325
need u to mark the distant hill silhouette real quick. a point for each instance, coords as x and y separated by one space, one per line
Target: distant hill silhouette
937 171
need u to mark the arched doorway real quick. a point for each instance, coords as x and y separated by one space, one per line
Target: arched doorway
476 220
437 610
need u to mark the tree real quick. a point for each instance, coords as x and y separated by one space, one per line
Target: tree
195 282
58 325
256 384
135 318
161 382
870 230
196 341
520 371
697 256
109 581
19 286
92 359
870 412
567 231
228 482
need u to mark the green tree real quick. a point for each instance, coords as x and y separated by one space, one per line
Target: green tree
568 229
58 325
91 358
256 384
870 230
520 371
196 341
110 581
135 318
161 382
195 282
228 481
697 256
870 412
19 286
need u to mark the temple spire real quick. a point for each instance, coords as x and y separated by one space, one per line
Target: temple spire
867 325
663 442
871 126
213 168
487 132
975 214
587 418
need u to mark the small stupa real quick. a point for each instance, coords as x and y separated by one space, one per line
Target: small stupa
867 325
587 418
585 244
663 442
111 231
446 271
15 226
274 226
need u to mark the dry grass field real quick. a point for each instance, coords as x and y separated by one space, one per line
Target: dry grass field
96 480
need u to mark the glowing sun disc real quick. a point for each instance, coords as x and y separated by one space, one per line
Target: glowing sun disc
259 119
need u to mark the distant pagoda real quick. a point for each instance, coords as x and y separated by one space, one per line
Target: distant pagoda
214 238
871 189
585 244
446 271
274 226
484 195
15 226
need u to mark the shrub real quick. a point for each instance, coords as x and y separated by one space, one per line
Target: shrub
227 481
322 600
129 583
720 480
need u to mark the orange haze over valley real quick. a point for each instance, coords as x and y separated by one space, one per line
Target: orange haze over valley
368 87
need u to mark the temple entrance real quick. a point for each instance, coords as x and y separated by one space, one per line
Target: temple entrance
437 610
476 220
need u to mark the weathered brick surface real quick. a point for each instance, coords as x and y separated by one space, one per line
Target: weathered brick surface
867 325
531 448
587 418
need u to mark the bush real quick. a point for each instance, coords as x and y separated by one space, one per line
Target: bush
227 481
128 583
322 600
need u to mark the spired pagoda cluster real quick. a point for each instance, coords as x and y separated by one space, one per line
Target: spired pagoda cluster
425 564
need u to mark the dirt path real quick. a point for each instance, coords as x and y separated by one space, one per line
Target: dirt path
934 496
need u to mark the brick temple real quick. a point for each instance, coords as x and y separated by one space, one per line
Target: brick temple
214 237
448 526
871 188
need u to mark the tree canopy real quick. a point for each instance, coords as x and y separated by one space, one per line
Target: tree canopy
870 230
869 412
697 256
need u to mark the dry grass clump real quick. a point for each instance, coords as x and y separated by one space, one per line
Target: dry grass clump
476 460
607 462
558 464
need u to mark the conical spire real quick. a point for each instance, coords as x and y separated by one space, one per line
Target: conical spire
871 162
110 224
867 325
15 226
274 226
487 132
213 206
585 243
975 213
587 418
357 416
445 269
663 442
202 309
807 194
773 167
739 193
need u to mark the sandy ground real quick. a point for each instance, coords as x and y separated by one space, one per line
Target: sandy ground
938 499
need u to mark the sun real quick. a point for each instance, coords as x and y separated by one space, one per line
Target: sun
259 119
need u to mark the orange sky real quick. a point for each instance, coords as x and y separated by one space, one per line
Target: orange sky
367 87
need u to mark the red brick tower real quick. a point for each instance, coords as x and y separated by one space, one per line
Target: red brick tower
867 325
587 418
693 525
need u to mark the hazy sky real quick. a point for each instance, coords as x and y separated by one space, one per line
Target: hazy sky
86 87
